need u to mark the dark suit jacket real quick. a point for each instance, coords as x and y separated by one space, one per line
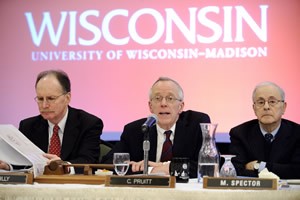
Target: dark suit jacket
80 138
248 144
187 141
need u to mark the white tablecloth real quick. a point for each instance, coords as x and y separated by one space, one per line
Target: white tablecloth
189 191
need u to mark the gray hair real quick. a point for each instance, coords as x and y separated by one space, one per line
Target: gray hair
180 90
268 83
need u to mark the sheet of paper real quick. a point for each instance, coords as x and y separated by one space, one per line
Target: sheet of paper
19 150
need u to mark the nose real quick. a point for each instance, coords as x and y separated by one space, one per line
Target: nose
45 103
266 106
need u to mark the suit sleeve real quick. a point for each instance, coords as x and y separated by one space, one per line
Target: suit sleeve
88 151
237 147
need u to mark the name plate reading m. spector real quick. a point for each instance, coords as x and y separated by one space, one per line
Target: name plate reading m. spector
239 183
140 181
16 178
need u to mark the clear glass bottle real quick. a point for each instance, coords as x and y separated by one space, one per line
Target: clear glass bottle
209 157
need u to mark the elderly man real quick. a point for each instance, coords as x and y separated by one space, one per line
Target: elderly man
175 126
269 141
63 132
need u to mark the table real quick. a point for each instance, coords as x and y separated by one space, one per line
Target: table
189 191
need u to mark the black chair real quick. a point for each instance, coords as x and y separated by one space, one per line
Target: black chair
105 147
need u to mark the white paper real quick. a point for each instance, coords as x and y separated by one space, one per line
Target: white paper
17 149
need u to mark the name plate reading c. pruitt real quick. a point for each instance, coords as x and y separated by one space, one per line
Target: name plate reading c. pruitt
140 181
239 183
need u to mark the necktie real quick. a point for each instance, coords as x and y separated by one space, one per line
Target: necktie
166 154
269 137
55 142
268 146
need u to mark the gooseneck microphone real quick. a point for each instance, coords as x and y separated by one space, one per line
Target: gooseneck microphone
151 120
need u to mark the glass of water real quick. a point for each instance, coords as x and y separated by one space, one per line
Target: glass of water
227 170
121 163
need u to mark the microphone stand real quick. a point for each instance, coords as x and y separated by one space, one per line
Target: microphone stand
146 148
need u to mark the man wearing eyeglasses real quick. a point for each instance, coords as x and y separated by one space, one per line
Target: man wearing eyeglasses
77 132
269 141
166 101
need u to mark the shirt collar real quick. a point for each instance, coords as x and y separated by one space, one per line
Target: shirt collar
162 131
62 122
273 132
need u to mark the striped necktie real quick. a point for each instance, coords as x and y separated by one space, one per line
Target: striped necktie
166 154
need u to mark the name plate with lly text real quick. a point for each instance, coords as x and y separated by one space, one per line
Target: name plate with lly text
16 178
239 183
140 181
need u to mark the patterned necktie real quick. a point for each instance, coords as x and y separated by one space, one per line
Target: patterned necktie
166 154
269 137
55 142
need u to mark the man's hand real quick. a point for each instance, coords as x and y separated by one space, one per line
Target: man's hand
139 166
4 165
250 165
51 157
157 167
161 169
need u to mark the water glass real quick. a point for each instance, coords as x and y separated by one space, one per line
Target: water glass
121 163
227 170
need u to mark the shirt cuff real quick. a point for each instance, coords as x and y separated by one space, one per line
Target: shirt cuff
262 165
150 170
71 169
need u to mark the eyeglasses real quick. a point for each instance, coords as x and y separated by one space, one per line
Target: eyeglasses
169 99
271 102
50 99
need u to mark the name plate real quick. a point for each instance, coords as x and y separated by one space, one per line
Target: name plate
140 181
71 179
16 178
239 183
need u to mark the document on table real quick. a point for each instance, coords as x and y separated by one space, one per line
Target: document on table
17 149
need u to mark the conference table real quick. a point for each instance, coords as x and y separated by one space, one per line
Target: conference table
191 190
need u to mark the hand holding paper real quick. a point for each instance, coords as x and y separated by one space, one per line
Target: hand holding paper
17 149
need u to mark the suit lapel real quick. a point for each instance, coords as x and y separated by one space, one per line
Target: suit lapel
180 132
40 135
70 134
256 142
153 143
280 142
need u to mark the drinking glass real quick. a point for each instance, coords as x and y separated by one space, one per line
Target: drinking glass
121 163
227 170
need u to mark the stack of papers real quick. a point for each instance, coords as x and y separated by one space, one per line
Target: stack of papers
17 149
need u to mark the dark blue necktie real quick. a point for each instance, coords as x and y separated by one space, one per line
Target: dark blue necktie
268 145
166 154
269 137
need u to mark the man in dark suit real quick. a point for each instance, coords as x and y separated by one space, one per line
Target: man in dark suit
80 137
165 101
268 141
78 131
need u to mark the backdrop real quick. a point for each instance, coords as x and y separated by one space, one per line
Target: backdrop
114 50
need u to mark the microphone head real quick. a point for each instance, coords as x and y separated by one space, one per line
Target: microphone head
154 116
151 120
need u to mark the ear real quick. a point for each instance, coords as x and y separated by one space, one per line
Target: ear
254 110
181 106
284 107
68 96
150 106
